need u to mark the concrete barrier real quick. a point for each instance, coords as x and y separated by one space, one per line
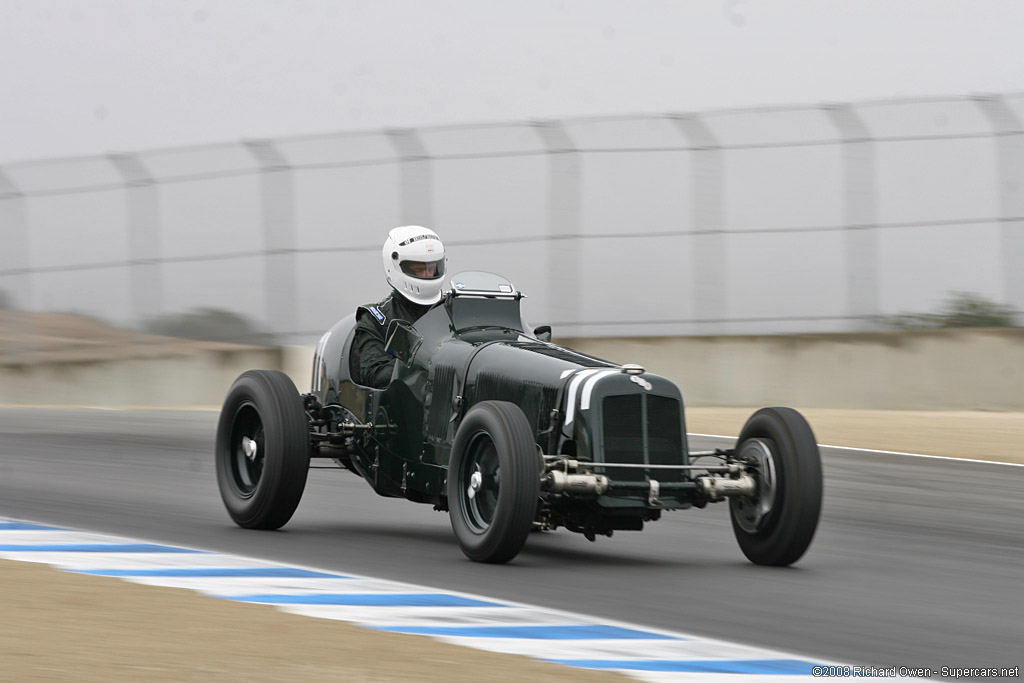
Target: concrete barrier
202 378
907 370
933 370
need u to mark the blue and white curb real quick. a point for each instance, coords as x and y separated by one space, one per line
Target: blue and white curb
467 620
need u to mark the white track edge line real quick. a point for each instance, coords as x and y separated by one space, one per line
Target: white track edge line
783 653
874 450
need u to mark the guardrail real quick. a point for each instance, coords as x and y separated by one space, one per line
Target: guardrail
781 220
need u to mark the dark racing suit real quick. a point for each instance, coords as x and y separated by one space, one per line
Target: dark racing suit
370 365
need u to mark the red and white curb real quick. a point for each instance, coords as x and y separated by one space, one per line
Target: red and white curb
462 619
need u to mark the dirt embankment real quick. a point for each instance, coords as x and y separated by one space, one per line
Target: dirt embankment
59 626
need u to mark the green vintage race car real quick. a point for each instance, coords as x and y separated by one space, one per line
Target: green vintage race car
486 418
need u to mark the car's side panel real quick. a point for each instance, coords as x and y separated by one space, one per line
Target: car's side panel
516 373
332 383
444 397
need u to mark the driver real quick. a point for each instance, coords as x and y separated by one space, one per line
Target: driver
414 263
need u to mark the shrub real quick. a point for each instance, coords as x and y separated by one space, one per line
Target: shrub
210 324
960 309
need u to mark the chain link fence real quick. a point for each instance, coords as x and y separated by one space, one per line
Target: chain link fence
773 220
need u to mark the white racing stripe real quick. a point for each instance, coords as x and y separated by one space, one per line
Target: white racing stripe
475 621
570 401
588 388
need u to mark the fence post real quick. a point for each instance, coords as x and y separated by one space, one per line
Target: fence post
1009 142
16 265
708 263
277 199
416 178
143 234
564 229
860 198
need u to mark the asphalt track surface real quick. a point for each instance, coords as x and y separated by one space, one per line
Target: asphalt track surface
917 562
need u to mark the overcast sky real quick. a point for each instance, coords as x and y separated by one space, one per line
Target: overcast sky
91 76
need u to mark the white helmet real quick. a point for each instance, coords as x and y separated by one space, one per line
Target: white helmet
414 263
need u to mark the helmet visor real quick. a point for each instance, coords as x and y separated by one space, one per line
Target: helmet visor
423 270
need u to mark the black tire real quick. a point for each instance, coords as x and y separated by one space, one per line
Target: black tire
261 489
492 522
777 526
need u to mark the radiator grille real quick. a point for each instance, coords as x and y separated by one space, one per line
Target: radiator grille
623 434
627 435
664 436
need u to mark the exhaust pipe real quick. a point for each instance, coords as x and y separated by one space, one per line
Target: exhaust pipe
581 484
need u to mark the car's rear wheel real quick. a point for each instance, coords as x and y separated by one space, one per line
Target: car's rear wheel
262 450
776 525
493 482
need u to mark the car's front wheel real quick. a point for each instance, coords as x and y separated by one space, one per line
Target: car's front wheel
775 525
262 450
493 482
